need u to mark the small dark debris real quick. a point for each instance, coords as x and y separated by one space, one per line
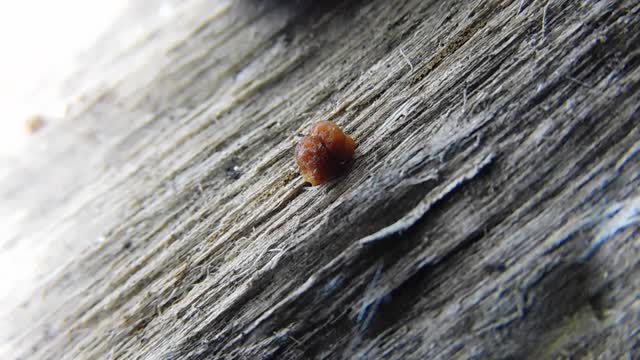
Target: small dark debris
597 303
495 267
233 171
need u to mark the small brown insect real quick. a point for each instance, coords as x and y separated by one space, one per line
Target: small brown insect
323 153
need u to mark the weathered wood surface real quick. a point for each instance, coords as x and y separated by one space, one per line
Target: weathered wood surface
491 213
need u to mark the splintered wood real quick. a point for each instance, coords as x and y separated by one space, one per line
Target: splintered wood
490 211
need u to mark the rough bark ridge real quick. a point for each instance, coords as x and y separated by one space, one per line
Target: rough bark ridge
491 212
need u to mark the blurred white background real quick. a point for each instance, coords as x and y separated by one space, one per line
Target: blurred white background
52 51
40 40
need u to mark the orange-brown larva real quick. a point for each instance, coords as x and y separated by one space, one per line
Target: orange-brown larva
323 152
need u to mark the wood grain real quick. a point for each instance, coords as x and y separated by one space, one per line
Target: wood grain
491 212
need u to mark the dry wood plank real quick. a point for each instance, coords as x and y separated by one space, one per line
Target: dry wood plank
491 212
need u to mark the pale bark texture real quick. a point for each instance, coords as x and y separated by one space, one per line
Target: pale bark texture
491 212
